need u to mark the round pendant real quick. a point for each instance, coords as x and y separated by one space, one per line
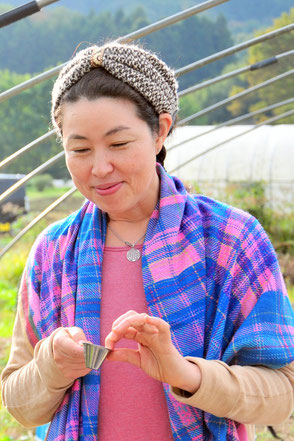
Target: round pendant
133 255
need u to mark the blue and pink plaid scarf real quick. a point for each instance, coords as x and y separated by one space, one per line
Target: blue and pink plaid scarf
209 270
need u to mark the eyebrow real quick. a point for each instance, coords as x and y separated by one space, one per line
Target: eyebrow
116 129
74 136
110 132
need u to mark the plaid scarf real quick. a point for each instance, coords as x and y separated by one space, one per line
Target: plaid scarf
209 270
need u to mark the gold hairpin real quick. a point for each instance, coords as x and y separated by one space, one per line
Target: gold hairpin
97 57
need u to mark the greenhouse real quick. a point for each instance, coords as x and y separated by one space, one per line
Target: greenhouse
213 160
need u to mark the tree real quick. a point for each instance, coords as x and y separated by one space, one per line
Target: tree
51 37
278 91
40 38
191 40
24 118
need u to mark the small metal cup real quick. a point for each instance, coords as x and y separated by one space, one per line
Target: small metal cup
94 355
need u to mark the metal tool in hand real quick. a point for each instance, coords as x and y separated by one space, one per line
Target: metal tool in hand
94 355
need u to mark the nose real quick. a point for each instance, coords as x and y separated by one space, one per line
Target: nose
102 164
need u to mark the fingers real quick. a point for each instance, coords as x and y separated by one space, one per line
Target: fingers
68 352
77 334
134 320
140 322
160 324
132 326
155 354
122 317
65 343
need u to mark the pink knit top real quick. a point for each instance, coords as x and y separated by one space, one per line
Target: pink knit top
132 405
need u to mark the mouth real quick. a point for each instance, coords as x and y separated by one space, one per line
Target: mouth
107 189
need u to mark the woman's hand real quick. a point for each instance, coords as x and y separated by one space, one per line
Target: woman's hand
68 352
156 354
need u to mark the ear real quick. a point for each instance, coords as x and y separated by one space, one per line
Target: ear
165 122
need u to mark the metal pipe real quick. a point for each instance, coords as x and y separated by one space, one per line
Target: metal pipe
43 3
23 11
213 81
255 66
232 50
233 121
257 112
26 148
47 164
29 176
234 97
251 67
171 20
30 83
224 124
137 34
71 191
129 37
268 121
36 220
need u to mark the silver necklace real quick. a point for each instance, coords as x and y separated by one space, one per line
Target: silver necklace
133 253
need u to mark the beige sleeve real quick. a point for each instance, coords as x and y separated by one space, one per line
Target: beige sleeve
32 385
247 394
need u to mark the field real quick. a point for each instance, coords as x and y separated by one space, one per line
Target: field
12 266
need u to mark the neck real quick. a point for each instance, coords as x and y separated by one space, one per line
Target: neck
128 231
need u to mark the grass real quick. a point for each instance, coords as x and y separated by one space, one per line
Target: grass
290 289
10 430
50 192
8 299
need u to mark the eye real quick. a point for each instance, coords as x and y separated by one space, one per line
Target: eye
119 144
84 150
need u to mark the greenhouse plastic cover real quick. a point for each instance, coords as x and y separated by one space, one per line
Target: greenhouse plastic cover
265 155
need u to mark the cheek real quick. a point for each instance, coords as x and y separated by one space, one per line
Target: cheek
144 171
77 169
70 165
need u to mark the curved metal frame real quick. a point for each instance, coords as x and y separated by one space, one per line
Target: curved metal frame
23 11
71 191
37 219
200 63
148 30
234 121
234 97
30 175
127 38
259 65
252 67
268 121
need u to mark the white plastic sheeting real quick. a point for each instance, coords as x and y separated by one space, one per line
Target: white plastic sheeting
263 155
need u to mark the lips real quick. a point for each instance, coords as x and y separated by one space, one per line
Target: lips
107 189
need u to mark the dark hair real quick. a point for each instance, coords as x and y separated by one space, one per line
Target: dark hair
99 83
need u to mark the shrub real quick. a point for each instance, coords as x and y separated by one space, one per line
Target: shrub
42 181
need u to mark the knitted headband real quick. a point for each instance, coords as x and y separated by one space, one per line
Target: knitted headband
140 69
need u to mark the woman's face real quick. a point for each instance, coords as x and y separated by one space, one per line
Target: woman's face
111 155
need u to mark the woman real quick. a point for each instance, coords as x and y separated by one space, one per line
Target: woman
186 291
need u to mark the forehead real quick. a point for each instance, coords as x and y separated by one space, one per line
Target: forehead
102 116
99 106
98 111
